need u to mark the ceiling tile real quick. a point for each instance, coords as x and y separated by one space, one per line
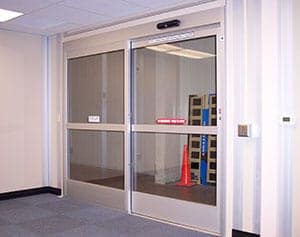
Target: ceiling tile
25 6
195 1
19 28
116 8
44 30
164 4
34 22
153 3
69 15
55 16
64 27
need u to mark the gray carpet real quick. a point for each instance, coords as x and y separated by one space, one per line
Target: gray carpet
48 216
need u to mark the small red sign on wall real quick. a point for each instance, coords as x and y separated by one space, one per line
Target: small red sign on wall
174 121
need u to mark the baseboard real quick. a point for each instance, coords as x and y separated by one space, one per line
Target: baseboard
238 233
29 192
55 191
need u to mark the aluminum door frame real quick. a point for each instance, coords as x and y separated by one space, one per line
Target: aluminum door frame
174 210
108 196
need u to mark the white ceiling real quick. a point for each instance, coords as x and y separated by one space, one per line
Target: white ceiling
54 16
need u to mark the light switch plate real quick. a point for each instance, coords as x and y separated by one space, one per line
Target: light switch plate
94 119
244 130
288 120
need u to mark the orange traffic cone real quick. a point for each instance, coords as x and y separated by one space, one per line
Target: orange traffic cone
185 179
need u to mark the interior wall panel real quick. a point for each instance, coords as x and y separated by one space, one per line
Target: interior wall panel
55 110
21 103
246 110
296 130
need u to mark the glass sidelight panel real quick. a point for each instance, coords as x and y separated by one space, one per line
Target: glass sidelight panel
96 157
175 80
95 88
158 161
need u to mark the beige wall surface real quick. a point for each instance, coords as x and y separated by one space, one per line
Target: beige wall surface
21 120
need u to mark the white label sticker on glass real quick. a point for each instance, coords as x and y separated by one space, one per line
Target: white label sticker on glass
94 119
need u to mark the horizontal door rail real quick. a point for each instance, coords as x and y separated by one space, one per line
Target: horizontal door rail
100 126
181 129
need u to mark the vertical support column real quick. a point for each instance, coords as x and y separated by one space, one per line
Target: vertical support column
227 207
246 148
103 161
127 133
252 115
46 57
239 89
55 105
287 108
270 115
64 120
296 133
235 100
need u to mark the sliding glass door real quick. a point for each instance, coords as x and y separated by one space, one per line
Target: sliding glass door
95 128
144 129
176 128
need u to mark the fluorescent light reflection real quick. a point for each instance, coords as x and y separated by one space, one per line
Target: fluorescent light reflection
175 50
164 48
6 15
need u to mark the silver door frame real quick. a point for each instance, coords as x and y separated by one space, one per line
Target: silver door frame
108 196
172 210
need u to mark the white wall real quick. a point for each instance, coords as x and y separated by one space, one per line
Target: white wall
21 103
262 87
246 109
296 134
55 85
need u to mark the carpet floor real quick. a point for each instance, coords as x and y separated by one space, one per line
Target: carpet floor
46 215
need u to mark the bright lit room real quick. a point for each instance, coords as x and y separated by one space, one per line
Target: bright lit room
149 118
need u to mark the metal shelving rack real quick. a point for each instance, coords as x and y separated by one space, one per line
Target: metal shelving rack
197 104
194 140
212 142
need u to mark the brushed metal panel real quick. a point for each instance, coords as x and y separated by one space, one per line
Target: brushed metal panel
109 197
177 211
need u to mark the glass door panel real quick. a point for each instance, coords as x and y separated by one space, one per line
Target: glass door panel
168 77
158 166
96 128
175 141
96 157
96 88
96 95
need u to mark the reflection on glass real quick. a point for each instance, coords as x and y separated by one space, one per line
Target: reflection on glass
167 76
159 161
97 157
95 88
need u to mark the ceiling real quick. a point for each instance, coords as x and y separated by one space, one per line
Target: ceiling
47 17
